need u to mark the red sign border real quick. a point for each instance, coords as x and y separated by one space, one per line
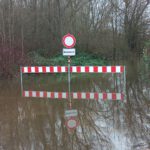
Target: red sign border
69 35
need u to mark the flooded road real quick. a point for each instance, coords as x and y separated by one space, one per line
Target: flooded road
40 124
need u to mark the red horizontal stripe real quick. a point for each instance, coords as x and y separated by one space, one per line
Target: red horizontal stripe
114 96
104 69
59 68
79 95
60 95
37 94
96 96
88 95
51 69
66 69
104 96
86 68
52 95
23 93
45 94
36 69
95 69
30 93
113 69
22 69
44 69
78 69
29 69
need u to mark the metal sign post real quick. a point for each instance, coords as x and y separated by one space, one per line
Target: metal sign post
69 80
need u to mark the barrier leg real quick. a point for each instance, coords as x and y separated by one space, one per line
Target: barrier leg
21 81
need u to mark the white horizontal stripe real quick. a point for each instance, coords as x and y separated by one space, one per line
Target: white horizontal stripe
82 69
83 95
55 69
118 69
47 69
63 69
40 69
75 96
91 69
118 96
49 94
109 96
64 95
41 94
74 69
25 69
33 69
100 96
56 95
109 69
100 69
26 94
34 93
91 95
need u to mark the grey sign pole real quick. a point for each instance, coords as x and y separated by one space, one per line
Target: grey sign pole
69 80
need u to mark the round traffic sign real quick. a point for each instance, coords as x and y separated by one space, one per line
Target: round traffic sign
69 40
71 123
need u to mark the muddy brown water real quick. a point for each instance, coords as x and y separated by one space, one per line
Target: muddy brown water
39 124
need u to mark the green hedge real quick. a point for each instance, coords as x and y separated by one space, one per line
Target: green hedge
80 59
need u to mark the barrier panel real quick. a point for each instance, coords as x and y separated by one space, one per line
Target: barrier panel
73 69
74 95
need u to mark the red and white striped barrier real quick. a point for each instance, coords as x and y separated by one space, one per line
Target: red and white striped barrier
73 69
74 95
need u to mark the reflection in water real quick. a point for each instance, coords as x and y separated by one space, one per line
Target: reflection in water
39 124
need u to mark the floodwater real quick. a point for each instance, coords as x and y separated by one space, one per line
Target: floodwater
40 123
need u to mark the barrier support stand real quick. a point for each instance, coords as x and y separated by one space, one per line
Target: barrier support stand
69 80
21 81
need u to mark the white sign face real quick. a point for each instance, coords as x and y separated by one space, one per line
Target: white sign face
71 113
69 41
69 52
